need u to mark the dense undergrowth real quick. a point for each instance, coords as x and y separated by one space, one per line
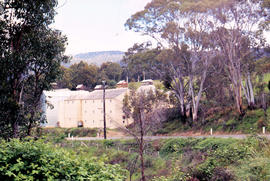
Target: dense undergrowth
36 160
208 159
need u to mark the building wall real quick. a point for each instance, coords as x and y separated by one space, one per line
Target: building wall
90 112
54 98
70 113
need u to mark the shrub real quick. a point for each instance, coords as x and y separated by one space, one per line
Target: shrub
35 160
176 146
254 169
207 144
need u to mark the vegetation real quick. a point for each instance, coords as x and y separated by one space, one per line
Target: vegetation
184 159
34 160
31 54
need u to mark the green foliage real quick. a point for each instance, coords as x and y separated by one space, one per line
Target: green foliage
253 169
35 160
32 53
176 146
214 143
134 85
57 135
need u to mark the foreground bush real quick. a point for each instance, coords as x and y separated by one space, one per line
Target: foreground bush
35 160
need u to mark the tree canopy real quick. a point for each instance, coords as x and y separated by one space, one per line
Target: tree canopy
31 57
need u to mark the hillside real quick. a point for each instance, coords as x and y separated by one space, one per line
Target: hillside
97 57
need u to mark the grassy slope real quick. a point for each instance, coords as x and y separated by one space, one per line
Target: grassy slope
180 159
226 121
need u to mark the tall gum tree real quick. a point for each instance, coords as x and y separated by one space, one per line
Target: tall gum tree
31 54
237 34
180 28
223 28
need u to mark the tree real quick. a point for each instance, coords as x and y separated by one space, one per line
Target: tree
181 28
139 62
31 56
83 73
235 24
196 32
113 71
64 80
145 108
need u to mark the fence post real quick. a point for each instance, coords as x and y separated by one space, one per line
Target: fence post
211 131
263 130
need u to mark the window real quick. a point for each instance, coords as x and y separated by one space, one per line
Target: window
93 121
110 111
124 117
80 124
123 122
93 101
85 101
110 100
93 111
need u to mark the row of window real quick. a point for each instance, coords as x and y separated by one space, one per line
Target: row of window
93 111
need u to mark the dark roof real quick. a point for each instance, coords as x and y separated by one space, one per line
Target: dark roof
98 94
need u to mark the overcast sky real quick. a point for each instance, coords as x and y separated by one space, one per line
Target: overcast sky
97 25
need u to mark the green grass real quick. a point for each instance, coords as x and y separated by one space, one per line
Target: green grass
180 159
226 121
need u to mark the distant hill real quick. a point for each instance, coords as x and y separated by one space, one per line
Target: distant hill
97 57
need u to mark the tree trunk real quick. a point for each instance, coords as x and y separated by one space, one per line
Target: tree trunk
252 100
15 129
141 147
238 99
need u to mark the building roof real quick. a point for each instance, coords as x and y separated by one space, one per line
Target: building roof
98 94
121 82
79 86
98 87
147 81
63 93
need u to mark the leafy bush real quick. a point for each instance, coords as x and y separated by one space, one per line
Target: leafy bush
35 160
254 169
176 146
207 144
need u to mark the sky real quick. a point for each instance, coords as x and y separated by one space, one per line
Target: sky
97 25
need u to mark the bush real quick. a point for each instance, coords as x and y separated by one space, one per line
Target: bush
254 169
35 160
214 143
176 146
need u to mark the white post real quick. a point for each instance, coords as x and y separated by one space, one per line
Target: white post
263 129
211 131
68 135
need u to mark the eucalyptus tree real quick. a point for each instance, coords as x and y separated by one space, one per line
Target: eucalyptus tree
31 54
236 33
140 61
181 28
205 29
